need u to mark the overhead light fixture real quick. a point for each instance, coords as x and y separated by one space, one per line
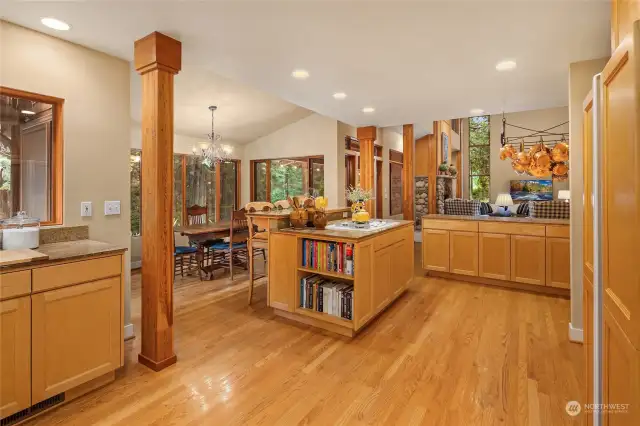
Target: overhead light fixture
215 152
339 95
55 24
506 65
476 111
27 112
300 74
368 110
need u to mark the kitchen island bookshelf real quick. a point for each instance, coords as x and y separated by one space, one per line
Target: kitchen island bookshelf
375 253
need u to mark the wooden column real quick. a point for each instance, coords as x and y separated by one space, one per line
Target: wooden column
407 172
157 58
367 137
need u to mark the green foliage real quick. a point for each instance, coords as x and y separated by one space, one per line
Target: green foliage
479 157
136 194
287 179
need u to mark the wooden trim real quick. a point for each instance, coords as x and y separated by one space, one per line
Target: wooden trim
57 150
268 179
252 169
238 183
183 163
407 172
218 191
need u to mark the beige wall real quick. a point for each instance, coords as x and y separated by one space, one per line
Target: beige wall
580 78
501 171
312 135
389 139
96 126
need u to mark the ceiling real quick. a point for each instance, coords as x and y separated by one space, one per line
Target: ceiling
414 61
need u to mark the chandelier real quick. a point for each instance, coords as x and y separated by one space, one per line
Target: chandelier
215 152
534 158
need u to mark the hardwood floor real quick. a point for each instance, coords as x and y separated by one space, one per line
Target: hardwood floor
446 353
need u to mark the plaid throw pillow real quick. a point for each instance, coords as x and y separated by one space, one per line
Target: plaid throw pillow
549 209
459 206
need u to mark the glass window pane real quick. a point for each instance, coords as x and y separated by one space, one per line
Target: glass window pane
177 190
260 181
228 181
26 144
479 160
480 188
135 169
317 177
289 178
210 179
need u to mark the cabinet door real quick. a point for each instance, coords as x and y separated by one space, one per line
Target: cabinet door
435 250
587 327
463 253
558 262
402 266
587 172
620 374
623 14
283 264
381 291
363 291
621 186
15 355
495 256
528 259
76 336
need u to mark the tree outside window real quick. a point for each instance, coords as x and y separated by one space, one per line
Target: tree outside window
479 157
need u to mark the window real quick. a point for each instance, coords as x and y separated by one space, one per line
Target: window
31 155
479 157
196 182
277 179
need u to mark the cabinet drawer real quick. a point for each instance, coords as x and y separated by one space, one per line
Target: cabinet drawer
75 273
557 231
15 284
451 225
389 238
513 228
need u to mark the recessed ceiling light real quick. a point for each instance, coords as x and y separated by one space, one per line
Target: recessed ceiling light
339 95
27 112
55 24
506 66
368 110
477 111
300 74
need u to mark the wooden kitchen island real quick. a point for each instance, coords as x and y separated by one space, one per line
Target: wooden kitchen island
382 268
518 252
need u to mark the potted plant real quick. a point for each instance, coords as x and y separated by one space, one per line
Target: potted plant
443 168
358 197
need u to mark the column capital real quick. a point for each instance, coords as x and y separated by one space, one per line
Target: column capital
368 132
157 52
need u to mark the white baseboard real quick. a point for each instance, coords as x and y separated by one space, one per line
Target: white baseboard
575 334
137 264
417 237
128 332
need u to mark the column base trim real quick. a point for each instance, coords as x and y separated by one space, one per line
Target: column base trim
157 366
575 334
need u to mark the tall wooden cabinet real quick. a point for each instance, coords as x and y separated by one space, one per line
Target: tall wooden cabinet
623 14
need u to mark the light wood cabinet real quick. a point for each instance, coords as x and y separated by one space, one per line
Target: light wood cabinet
495 256
558 266
282 271
15 355
76 336
587 328
528 259
402 264
381 291
435 250
463 248
623 14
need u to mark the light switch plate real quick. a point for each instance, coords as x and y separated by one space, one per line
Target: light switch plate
111 208
85 209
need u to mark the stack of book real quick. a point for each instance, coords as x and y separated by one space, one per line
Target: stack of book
323 295
326 256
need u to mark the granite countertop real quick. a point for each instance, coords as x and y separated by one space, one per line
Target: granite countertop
485 218
70 250
348 234
285 212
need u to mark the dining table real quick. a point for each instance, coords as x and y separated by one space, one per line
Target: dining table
199 233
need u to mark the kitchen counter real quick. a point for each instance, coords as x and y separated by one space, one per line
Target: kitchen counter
346 234
70 250
486 218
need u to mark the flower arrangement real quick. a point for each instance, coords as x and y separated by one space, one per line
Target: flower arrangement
355 194
321 203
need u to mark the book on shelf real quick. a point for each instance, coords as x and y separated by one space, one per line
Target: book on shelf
324 256
320 294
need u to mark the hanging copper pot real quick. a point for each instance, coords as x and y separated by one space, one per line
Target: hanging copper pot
508 151
542 157
560 169
560 152
519 168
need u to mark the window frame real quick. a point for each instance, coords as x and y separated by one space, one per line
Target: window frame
57 150
252 189
487 145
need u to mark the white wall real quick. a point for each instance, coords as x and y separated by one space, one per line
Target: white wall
501 171
312 135
95 87
580 77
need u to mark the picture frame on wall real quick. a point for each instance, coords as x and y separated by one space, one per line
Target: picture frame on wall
445 148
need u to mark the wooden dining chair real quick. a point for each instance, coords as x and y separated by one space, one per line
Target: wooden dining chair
282 204
258 244
197 215
235 250
179 255
258 206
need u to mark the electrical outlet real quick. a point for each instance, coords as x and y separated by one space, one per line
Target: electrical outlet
85 208
111 208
